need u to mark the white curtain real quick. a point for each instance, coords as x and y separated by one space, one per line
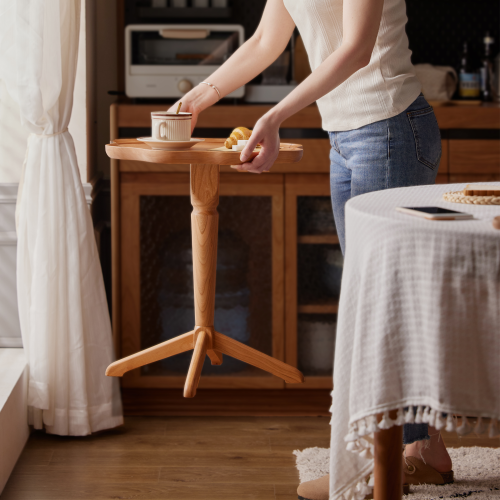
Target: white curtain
62 305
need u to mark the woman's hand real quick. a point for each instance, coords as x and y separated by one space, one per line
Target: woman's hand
265 133
188 106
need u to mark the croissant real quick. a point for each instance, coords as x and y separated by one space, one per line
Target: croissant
238 134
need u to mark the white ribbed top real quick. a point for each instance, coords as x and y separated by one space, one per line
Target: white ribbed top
380 90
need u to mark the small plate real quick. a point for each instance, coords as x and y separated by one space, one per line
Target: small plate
169 145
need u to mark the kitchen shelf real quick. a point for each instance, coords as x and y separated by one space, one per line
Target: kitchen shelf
318 239
326 307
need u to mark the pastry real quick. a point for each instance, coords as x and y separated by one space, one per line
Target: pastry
239 133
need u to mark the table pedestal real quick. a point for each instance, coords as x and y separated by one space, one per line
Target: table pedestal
203 339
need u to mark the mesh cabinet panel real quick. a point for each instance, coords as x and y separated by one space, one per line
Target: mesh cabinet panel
319 274
243 301
314 215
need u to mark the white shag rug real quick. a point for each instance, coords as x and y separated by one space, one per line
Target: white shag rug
476 472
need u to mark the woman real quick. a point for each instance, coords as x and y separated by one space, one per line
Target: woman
382 131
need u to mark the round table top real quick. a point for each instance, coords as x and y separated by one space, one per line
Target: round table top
210 151
380 206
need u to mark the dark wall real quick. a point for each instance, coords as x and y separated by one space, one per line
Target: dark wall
436 28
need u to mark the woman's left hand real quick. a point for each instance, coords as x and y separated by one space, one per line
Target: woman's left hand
265 133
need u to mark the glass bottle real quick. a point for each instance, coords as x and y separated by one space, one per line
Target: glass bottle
496 79
486 69
469 82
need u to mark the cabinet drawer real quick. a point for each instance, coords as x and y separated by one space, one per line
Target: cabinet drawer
474 156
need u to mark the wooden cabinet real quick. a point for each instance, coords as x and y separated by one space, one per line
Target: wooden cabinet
280 263
156 294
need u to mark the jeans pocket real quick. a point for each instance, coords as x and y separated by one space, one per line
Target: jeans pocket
427 137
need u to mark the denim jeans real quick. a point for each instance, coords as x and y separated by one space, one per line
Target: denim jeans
404 150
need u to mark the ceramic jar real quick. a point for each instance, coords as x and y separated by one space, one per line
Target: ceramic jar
316 343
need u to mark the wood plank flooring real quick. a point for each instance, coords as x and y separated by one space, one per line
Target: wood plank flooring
179 458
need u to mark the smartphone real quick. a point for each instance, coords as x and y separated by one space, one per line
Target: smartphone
434 213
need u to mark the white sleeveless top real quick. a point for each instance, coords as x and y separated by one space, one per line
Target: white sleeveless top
380 90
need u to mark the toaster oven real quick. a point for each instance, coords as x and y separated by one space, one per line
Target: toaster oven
167 60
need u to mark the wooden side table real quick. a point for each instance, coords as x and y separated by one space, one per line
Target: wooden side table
204 159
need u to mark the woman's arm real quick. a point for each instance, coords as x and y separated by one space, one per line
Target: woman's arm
361 21
255 55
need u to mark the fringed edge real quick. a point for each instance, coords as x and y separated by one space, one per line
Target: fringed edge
357 492
422 414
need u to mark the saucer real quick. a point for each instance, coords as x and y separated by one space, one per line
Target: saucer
169 145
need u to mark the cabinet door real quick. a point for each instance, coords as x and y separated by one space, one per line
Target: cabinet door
313 272
157 282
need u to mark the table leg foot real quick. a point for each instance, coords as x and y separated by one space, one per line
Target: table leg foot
215 357
194 373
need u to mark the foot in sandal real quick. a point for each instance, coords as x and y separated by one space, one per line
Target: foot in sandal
427 462
319 489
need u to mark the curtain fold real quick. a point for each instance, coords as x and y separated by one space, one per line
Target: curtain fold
62 304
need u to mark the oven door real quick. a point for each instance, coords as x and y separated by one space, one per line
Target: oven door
169 60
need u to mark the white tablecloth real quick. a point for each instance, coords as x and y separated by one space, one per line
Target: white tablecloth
418 325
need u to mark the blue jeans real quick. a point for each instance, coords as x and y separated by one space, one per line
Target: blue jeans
404 150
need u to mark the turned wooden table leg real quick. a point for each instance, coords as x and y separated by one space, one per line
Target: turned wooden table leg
204 228
388 463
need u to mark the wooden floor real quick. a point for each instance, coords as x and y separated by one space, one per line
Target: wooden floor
181 458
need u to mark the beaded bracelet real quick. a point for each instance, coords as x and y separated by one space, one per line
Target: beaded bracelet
214 87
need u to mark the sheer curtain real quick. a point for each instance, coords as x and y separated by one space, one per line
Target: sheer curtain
62 305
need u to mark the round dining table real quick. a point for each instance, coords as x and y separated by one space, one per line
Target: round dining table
418 335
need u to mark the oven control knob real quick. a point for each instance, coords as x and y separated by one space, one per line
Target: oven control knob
184 86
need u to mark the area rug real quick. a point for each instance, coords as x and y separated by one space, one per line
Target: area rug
477 473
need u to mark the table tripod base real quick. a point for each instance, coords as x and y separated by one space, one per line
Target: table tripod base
205 341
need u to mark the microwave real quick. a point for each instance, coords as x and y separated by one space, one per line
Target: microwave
168 60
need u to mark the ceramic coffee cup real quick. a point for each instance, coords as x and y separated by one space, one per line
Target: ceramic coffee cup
167 126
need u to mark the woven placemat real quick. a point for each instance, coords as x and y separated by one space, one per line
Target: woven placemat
459 197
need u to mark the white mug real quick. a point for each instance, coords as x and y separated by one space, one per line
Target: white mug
171 126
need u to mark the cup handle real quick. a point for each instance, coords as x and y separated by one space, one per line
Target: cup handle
162 129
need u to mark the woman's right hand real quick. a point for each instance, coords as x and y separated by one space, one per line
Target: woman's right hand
187 107
195 101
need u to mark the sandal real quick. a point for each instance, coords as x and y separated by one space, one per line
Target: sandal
418 472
